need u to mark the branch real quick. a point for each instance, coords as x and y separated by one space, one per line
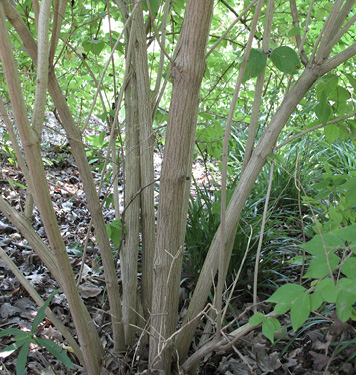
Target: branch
166 13
161 45
255 113
337 60
42 68
326 33
314 128
300 43
341 32
222 266
336 33
58 16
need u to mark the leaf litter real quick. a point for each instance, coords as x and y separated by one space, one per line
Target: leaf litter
325 348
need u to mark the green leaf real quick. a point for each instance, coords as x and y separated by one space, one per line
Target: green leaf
319 267
352 80
349 268
284 296
75 248
331 132
8 350
95 46
320 14
335 215
255 64
323 110
286 293
353 315
316 299
286 60
339 95
293 32
326 85
350 186
56 351
300 310
328 290
282 308
11 331
350 198
347 234
114 231
269 327
345 299
154 5
257 319
317 245
41 312
23 336
22 360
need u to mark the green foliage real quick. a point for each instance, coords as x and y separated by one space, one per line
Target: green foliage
334 284
114 230
255 64
24 339
7 150
332 252
270 325
154 5
329 188
286 60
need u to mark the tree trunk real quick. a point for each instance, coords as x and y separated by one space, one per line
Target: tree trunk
187 70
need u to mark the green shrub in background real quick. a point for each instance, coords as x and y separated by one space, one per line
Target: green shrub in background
312 197
330 253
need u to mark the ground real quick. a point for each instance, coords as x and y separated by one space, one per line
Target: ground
324 345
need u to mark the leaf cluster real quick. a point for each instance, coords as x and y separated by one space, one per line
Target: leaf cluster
24 340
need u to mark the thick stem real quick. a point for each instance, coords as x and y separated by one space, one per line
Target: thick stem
187 71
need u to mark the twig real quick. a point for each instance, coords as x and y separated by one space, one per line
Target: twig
314 128
156 33
258 253
238 273
229 28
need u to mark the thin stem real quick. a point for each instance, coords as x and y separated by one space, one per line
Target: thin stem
259 247
255 114
42 68
314 128
229 28
221 274
105 69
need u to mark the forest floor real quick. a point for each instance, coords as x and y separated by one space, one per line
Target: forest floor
324 345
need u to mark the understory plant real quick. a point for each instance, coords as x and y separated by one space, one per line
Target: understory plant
329 253
29 340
